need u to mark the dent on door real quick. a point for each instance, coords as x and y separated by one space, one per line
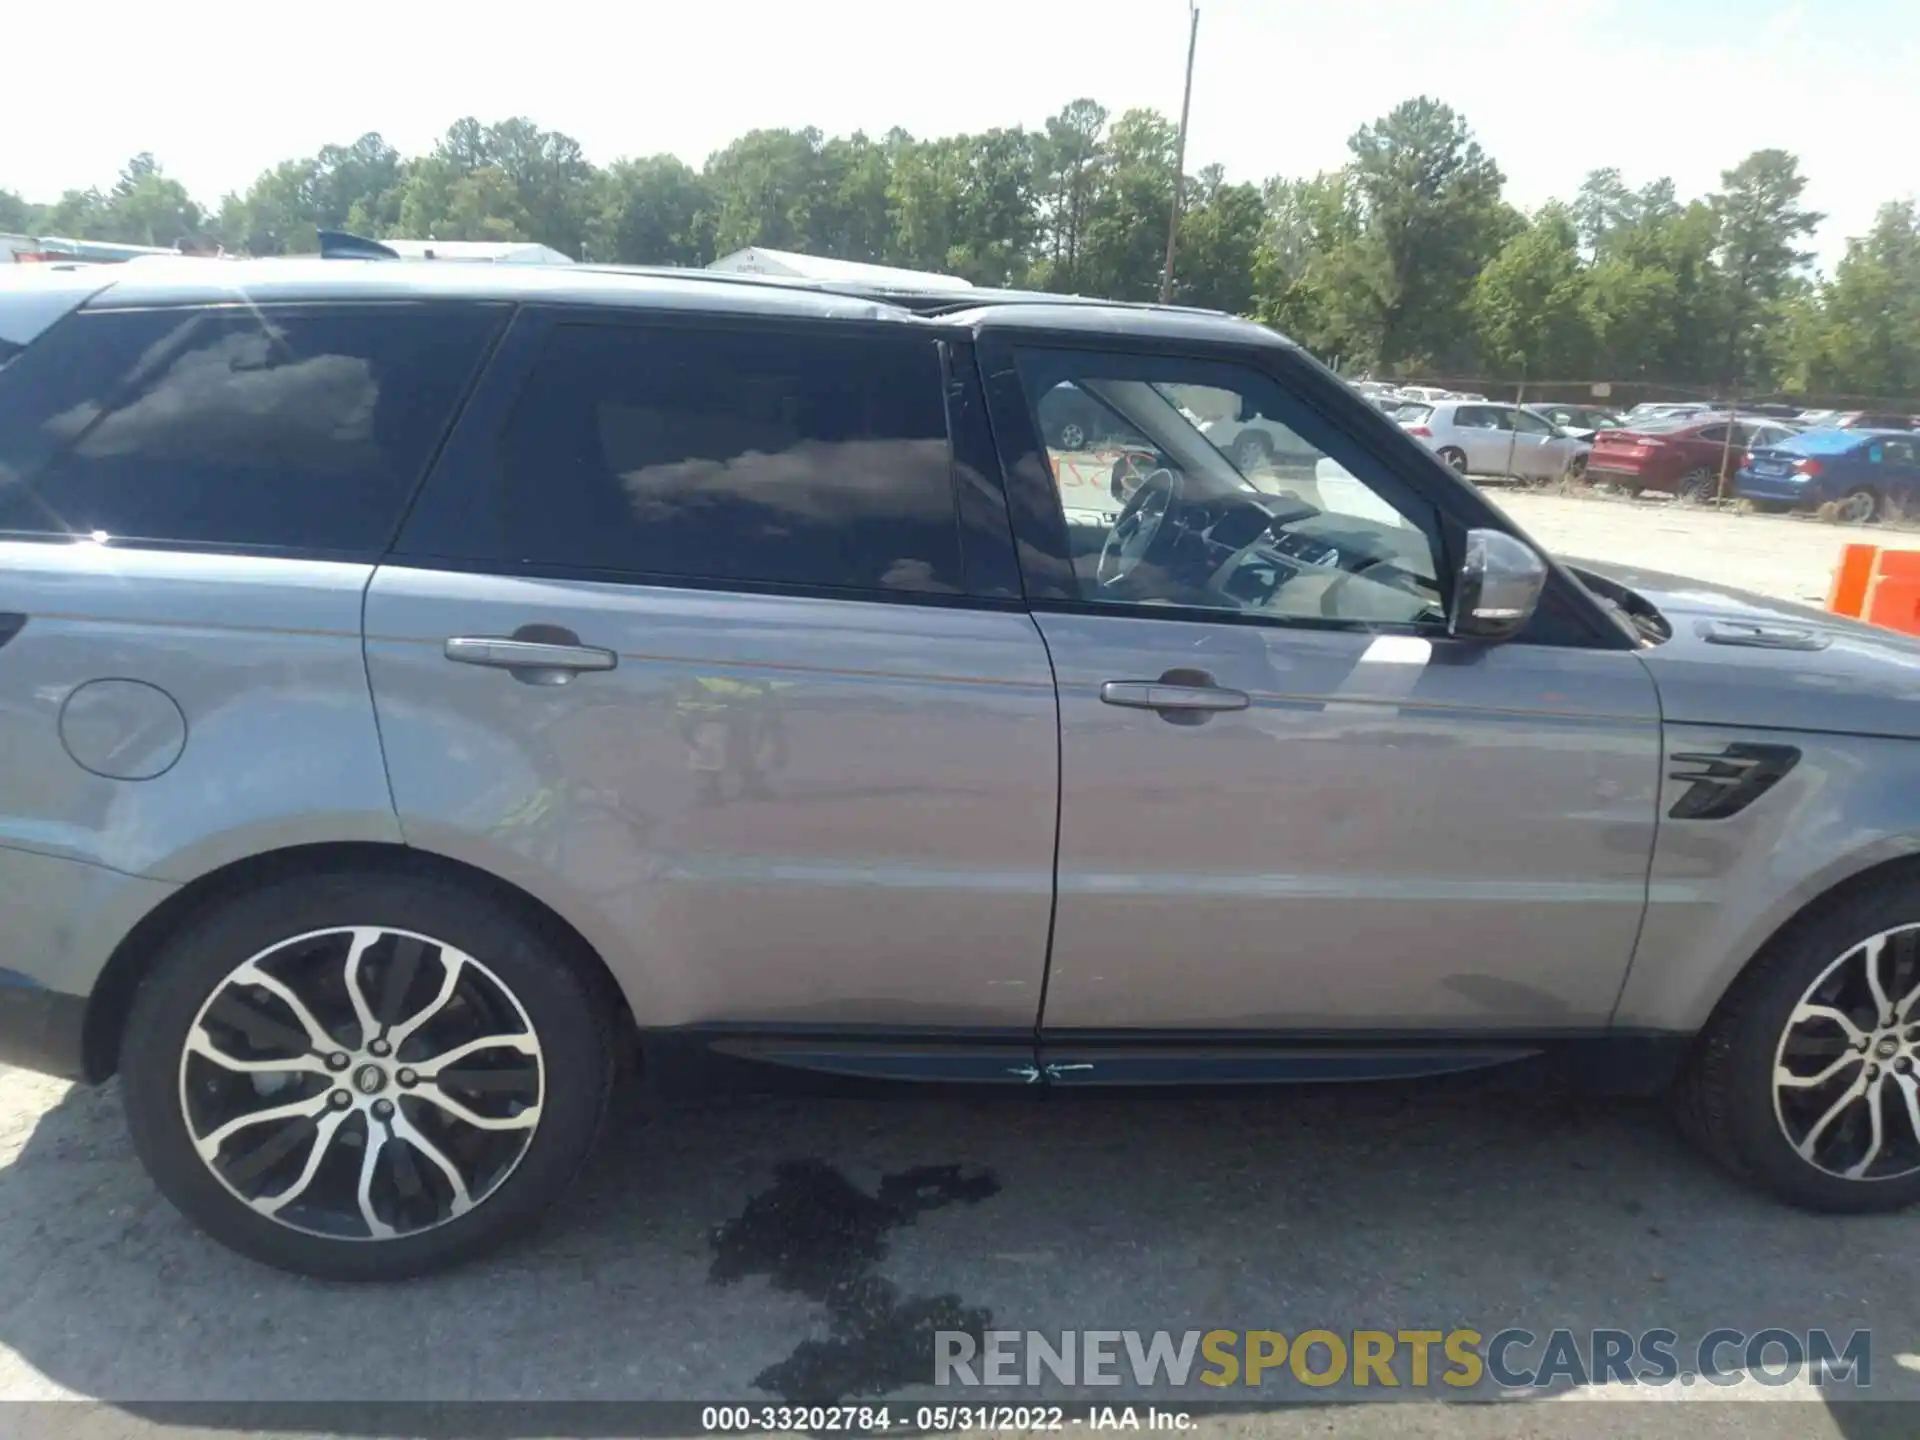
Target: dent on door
1393 833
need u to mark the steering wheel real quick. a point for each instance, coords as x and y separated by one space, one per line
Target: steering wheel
1142 521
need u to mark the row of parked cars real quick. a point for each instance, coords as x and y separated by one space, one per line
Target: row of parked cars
1864 463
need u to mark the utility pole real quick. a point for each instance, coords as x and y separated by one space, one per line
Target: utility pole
1180 159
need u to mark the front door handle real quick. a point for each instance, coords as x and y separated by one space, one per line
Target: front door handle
1171 698
542 662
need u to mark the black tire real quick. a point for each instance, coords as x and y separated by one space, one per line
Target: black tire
1250 449
1865 501
1725 1098
1070 434
1699 485
1455 459
1576 470
569 1015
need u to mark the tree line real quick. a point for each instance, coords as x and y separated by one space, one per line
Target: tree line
1407 260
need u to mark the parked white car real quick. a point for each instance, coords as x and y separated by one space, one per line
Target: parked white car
1253 442
1477 438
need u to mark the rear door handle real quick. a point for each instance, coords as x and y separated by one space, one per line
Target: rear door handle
1157 695
501 652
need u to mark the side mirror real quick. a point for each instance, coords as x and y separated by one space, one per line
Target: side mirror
1498 587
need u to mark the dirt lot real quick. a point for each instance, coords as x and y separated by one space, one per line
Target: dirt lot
670 1273
1782 556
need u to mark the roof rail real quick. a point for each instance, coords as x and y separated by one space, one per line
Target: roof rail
905 297
340 245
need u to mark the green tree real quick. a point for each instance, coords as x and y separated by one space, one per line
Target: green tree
78 214
1123 249
16 215
441 202
1531 303
850 218
1865 339
653 211
506 181
1434 211
1070 156
1316 278
277 215
765 187
1761 229
1219 238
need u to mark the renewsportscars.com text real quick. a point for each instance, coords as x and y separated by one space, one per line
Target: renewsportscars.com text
1512 1358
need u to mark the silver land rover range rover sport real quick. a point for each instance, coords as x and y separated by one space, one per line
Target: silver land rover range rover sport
425 688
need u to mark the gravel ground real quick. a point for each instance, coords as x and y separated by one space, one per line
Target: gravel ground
751 1248
1784 556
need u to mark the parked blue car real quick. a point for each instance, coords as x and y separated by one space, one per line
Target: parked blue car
1865 472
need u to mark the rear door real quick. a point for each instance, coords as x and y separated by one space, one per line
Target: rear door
705 633
192 500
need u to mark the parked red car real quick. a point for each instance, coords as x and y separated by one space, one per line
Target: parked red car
1679 454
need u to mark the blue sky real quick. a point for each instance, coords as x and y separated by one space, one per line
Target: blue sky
1553 87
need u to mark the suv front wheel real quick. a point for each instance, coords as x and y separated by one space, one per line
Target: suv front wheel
1807 1081
365 1076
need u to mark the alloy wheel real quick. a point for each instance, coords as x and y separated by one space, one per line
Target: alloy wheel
1073 436
1858 508
1846 1073
361 1083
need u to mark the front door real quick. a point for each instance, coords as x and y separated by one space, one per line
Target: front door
1289 802
681 640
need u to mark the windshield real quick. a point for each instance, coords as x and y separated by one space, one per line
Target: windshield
1413 414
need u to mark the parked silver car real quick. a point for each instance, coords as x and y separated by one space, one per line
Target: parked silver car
425 689
1479 438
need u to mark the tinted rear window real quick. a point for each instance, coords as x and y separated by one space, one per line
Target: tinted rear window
298 429
731 456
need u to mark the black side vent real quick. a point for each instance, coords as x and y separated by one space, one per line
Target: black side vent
1726 783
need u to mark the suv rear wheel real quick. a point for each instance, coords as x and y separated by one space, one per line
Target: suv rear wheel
1807 1080
365 1076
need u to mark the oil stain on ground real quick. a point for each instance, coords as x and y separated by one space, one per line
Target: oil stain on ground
816 1233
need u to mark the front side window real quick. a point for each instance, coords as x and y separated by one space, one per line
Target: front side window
722 455
235 425
1195 514
1530 424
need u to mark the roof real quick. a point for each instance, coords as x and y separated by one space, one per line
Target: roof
757 260
523 252
169 280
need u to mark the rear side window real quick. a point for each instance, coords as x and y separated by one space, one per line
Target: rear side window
743 456
281 429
